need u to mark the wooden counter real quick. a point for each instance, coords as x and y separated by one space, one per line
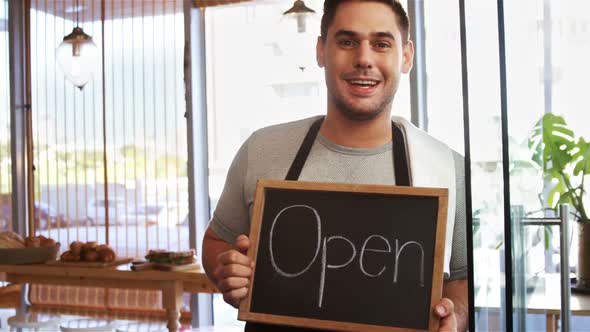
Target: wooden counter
172 283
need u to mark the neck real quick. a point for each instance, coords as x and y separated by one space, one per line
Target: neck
357 134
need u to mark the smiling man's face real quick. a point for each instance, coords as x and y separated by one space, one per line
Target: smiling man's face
363 55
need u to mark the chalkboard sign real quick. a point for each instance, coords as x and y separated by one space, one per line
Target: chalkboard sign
346 257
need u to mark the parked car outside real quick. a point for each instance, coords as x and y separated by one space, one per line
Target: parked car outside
96 210
45 217
146 214
122 213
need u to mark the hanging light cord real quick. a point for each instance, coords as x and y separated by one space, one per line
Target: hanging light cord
77 13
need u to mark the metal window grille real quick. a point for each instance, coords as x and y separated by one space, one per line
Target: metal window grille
131 115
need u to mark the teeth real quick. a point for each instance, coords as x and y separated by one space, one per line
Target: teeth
363 82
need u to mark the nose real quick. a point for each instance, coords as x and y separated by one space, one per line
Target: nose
364 56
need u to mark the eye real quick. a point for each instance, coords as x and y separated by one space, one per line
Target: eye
346 43
382 45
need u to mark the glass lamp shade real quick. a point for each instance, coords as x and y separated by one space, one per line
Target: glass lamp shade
77 57
299 12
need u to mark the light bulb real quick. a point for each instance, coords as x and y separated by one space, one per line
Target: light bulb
77 57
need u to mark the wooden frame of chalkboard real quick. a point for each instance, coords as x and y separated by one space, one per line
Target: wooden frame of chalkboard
325 291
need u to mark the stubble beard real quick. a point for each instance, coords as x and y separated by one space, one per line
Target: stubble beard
356 114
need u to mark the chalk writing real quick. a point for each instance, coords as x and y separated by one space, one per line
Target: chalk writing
322 243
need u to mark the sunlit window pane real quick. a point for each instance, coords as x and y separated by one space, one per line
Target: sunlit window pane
126 157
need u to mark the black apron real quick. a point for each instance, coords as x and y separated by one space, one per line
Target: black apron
402 178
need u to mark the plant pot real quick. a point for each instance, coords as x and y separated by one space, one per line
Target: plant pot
583 275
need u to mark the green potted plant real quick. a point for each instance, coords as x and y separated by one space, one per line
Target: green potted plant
564 158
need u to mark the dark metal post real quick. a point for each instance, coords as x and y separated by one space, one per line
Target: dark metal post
505 170
467 136
565 268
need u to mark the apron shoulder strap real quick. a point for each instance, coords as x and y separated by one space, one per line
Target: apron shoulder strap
400 158
301 157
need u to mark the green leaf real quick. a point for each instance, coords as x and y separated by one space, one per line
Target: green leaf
548 233
582 156
557 189
553 146
565 198
558 141
535 143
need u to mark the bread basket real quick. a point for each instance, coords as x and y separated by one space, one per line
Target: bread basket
19 256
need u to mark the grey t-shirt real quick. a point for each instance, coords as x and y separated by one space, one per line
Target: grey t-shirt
269 152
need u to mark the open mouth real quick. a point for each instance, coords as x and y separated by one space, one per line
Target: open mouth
362 87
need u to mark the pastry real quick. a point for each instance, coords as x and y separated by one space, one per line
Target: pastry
88 246
45 241
32 242
90 256
11 240
106 253
68 256
76 247
12 236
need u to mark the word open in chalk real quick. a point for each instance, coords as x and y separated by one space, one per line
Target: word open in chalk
320 251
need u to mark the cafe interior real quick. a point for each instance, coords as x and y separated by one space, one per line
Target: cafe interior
119 120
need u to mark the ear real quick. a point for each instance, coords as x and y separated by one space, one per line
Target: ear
408 57
319 52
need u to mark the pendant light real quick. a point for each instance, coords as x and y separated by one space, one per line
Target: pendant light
77 55
299 12
299 44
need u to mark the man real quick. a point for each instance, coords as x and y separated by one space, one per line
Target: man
364 49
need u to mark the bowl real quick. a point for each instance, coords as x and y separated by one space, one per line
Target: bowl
20 256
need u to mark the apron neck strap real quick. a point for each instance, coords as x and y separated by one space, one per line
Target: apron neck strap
400 161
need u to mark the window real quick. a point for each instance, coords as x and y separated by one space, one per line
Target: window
444 102
545 44
146 150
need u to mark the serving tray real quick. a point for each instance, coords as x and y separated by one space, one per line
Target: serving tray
116 262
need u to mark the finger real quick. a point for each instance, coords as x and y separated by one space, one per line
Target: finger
234 297
242 244
231 283
444 308
233 257
232 270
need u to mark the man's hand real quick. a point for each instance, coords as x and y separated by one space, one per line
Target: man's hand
456 291
446 311
233 271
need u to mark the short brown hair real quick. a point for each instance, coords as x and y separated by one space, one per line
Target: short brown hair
330 7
